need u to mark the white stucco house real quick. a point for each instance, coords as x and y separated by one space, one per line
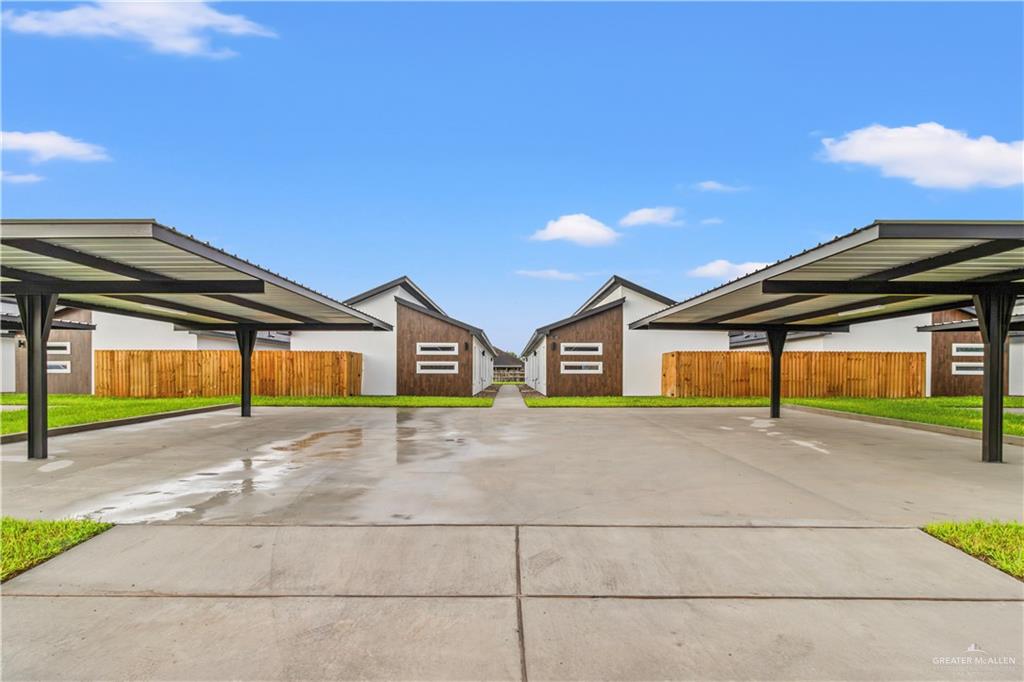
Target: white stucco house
408 360
594 352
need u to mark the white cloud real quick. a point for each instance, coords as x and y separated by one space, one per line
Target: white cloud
659 215
578 228
723 269
49 145
181 28
712 221
20 178
715 186
549 274
931 155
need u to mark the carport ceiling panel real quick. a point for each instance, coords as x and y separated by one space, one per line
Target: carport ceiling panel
974 268
88 301
875 257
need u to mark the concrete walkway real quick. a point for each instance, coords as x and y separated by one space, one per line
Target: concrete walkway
510 602
509 398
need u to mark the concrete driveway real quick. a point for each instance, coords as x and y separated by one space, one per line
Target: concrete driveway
511 544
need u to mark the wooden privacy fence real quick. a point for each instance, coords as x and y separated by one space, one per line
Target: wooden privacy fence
179 373
805 374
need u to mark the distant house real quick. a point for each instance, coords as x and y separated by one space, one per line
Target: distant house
594 352
508 367
953 358
427 352
78 333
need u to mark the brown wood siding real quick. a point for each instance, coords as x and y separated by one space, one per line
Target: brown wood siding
181 373
944 382
80 378
414 327
605 328
807 374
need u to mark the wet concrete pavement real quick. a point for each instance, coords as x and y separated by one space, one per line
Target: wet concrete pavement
313 543
479 466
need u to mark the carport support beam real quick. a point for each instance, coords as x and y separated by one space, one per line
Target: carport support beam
246 343
776 340
994 312
36 317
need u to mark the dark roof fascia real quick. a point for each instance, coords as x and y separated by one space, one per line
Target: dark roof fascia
615 281
13 323
480 335
405 283
1016 324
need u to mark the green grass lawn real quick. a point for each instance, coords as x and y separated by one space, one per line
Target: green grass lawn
371 401
963 411
1000 543
66 409
24 544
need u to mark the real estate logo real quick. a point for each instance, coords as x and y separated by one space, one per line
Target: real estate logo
975 655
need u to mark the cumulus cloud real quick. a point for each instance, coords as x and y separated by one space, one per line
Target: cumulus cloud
20 178
578 228
658 215
723 269
181 28
715 186
931 155
549 274
49 145
712 221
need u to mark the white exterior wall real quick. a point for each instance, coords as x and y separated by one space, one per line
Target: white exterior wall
483 367
120 332
8 344
642 349
1015 366
379 349
535 367
205 342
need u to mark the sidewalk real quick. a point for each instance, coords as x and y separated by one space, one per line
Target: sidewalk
509 398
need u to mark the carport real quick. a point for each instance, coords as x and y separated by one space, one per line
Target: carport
888 269
139 268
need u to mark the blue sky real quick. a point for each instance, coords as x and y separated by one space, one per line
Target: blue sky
476 147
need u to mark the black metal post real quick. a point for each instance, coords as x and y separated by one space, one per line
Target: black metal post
246 343
994 312
36 317
776 340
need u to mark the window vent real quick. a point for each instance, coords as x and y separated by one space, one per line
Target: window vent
582 367
426 367
582 348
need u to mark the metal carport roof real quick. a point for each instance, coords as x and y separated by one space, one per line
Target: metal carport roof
144 269
887 269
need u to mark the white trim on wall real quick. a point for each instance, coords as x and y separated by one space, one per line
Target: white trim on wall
582 367
437 348
582 348
437 367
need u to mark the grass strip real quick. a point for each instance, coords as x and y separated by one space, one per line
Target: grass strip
24 544
1000 543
